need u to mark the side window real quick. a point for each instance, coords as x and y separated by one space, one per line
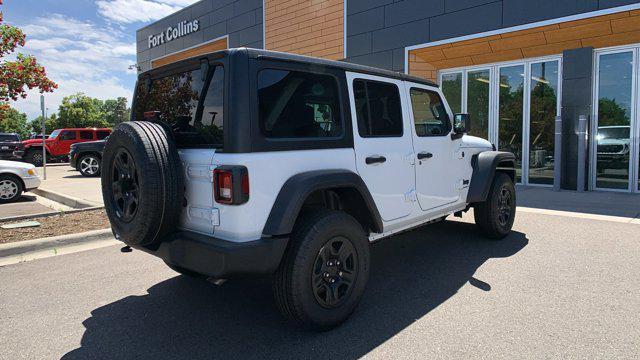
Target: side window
68 135
86 135
429 115
294 104
211 125
378 109
102 135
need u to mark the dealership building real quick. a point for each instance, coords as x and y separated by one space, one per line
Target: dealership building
513 65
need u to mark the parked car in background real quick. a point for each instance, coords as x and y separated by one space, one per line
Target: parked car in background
15 178
38 136
11 146
87 157
58 144
614 147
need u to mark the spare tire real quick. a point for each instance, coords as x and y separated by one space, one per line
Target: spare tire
142 183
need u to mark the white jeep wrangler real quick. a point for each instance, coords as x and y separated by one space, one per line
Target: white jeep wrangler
247 161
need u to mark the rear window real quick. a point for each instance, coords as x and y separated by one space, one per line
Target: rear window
9 138
86 135
194 113
294 104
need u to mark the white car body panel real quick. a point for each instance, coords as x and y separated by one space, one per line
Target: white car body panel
403 204
20 170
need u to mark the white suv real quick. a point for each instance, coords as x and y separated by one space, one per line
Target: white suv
250 162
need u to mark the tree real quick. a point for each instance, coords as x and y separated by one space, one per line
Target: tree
611 113
79 110
14 122
20 74
116 111
35 125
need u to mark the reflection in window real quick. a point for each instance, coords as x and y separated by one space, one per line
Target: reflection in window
294 104
175 99
613 139
429 115
511 113
543 110
478 102
451 85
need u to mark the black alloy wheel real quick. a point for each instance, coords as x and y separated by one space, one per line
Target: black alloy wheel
334 272
125 185
505 205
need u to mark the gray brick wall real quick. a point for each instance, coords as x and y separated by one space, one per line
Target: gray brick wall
378 30
240 19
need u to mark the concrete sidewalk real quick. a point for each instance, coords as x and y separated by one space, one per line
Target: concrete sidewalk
63 180
591 202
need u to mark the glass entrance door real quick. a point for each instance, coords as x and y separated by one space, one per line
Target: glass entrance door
513 105
615 156
544 106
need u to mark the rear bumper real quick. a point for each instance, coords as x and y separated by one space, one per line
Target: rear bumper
11 154
220 258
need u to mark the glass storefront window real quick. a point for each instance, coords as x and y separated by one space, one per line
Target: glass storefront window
478 91
613 138
543 109
452 89
511 113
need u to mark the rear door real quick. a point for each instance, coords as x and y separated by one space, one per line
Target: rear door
438 156
382 142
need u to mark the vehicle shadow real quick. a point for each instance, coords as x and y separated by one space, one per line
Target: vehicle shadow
181 317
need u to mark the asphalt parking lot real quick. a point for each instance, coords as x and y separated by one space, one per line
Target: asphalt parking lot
557 287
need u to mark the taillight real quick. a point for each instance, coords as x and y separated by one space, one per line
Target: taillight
231 185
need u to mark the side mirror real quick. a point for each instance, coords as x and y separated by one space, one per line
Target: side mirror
461 124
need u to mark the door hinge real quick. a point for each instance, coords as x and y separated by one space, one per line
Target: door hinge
460 154
410 196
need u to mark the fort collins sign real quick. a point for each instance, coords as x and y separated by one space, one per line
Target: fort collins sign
182 29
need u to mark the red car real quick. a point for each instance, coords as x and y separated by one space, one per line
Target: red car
59 143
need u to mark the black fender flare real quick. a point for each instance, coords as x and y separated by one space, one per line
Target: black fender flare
296 189
485 165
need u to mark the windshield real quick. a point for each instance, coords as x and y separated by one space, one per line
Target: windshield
9 138
194 112
54 134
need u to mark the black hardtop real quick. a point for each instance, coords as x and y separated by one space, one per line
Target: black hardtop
281 56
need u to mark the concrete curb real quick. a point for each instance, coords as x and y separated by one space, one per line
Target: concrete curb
22 247
70 201
47 214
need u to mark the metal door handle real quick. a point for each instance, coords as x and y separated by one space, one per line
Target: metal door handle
375 160
424 155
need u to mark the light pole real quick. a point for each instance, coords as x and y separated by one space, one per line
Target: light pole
44 150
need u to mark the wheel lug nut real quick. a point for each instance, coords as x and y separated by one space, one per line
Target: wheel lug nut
340 273
326 275
332 281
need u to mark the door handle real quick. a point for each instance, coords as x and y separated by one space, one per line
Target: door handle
376 159
424 155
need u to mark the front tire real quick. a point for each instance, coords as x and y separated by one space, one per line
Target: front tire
10 188
496 215
324 271
89 166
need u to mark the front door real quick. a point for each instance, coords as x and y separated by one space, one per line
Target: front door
438 156
382 142
65 139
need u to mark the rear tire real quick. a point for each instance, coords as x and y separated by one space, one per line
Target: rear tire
142 183
496 215
324 271
10 188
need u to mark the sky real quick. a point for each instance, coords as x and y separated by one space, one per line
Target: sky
85 45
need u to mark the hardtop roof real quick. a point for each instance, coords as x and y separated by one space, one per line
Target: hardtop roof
276 55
